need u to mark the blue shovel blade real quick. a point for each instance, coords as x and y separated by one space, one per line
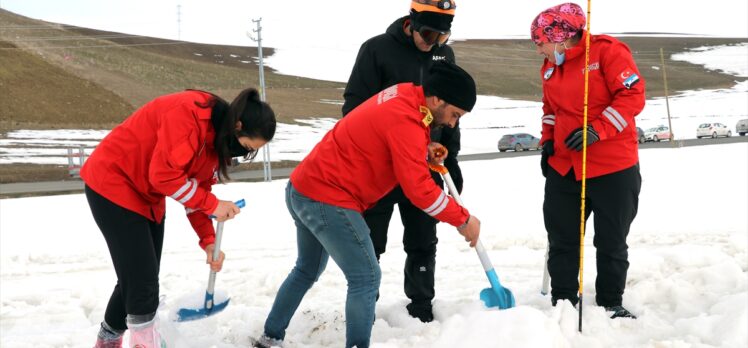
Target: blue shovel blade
188 314
497 295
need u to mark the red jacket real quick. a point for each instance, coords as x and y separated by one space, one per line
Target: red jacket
163 149
380 144
616 96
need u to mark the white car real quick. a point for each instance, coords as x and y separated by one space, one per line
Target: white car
742 127
657 133
712 130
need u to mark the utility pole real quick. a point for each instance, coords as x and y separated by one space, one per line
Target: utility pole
667 103
179 22
266 166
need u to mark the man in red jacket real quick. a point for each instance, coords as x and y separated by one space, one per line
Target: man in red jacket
382 143
616 96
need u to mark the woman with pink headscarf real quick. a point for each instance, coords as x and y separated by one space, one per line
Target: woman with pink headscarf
616 96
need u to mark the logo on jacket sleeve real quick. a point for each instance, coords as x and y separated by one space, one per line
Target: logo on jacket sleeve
387 94
438 58
628 78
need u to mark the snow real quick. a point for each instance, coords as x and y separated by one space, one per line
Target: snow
723 58
687 280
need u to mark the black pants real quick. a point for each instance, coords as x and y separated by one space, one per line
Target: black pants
614 199
419 241
135 246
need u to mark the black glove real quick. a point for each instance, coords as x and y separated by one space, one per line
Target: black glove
575 139
544 154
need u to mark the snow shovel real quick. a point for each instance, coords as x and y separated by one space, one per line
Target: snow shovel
496 295
209 307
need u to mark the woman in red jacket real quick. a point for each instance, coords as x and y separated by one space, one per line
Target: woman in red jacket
616 96
177 145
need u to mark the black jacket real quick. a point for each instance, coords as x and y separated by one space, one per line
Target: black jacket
392 58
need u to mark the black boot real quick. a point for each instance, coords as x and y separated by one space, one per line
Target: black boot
422 311
619 312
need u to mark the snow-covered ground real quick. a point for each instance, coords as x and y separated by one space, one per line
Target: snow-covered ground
687 281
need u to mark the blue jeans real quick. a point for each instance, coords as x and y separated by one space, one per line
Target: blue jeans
324 230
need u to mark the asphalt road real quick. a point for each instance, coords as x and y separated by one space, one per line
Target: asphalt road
74 186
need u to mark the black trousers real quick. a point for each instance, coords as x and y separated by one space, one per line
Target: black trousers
135 245
419 242
614 199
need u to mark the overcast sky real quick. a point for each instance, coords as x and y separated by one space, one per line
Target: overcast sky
291 23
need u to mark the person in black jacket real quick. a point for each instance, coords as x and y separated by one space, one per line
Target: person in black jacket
404 53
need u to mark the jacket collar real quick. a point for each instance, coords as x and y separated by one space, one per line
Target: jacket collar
579 49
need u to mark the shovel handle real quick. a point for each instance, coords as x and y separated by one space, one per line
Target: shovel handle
216 254
484 260
212 276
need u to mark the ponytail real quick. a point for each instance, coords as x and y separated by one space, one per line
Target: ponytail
258 121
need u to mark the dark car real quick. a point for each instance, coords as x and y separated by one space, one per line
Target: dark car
640 135
742 127
519 142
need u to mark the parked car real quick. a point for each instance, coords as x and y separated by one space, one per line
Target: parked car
640 135
657 133
742 127
519 142
713 130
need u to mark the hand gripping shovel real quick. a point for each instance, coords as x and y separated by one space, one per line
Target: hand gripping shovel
209 307
496 295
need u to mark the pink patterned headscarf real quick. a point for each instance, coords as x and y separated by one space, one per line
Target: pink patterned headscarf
557 23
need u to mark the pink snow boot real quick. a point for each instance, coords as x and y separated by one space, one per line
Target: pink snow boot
144 334
109 337
102 343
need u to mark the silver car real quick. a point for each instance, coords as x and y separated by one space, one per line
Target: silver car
742 127
519 142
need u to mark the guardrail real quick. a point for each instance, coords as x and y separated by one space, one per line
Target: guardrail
76 158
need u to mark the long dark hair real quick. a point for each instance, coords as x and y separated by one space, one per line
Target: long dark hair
258 121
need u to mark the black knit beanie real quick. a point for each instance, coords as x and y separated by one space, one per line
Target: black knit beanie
452 84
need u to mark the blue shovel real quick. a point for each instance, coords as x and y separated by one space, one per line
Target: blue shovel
209 308
497 295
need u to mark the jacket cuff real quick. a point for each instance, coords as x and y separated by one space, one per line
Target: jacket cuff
211 203
207 241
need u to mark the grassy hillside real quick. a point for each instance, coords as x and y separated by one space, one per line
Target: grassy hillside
136 69
36 93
